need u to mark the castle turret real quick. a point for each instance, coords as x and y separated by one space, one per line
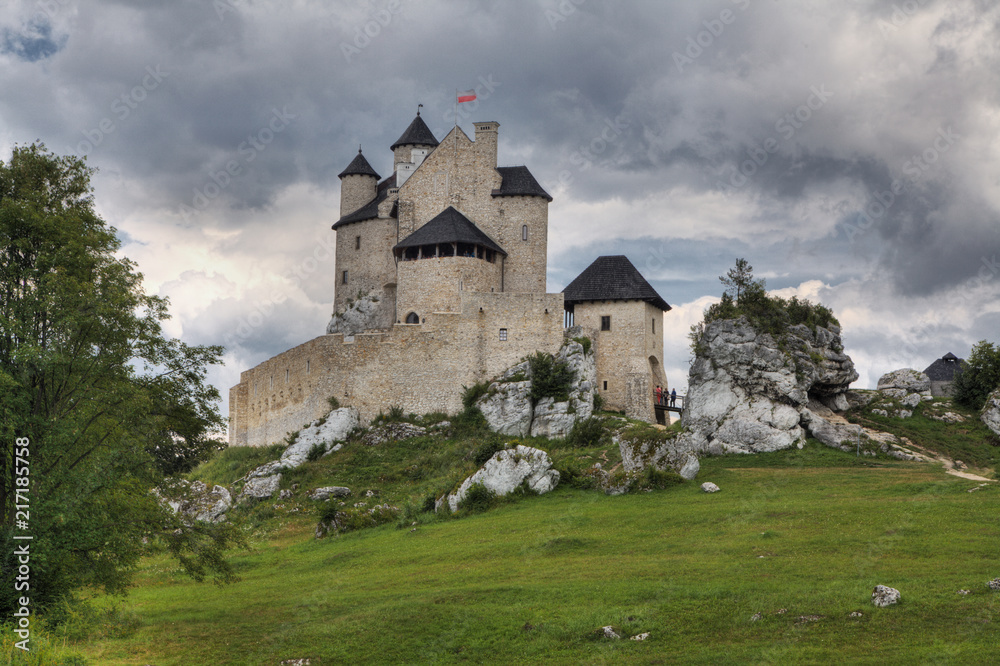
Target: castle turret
357 184
411 148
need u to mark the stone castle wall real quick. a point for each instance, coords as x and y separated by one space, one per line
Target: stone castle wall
369 267
629 356
420 367
436 285
355 191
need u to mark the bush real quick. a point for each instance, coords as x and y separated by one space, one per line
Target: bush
479 498
317 451
588 433
333 402
978 377
487 450
470 394
585 341
598 401
470 424
550 378
656 479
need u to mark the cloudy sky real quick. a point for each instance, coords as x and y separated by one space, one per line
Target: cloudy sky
848 149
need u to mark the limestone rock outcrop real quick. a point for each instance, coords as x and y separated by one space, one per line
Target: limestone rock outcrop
884 595
901 391
392 432
326 492
371 312
747 391
638 454
507 470
991 412
196 501
507 406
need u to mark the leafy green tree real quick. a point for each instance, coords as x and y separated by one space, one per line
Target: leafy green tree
979 375
89 380
739 281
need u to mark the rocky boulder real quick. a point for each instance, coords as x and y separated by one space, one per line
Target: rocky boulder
324 432
371 312
639 452
326 492
507 470
906 380
196 501
884 595
392 432
260 488
991 412
747 391
507 406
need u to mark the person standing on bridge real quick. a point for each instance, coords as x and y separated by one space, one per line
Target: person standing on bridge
659 394
673 397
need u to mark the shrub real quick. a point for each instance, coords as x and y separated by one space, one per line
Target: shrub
317 451
656 479
588 433
487 450
470 423
333 402
598 401
585 341
470 394
550 378
479 498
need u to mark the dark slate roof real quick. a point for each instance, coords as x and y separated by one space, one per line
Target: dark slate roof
359 166
518 181
449 226
417 134
612 279
370 210
944 369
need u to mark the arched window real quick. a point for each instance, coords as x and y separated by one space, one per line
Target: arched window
413 318
524 232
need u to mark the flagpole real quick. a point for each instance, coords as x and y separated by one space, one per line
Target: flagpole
456 107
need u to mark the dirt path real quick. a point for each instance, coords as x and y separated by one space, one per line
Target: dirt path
949 464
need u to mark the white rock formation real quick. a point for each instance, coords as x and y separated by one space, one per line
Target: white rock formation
338 424
639 454
883 596
196 501
508 410
747 393
709 487
371 312
507 470
906 380
991 412
326 492
260 488
392 432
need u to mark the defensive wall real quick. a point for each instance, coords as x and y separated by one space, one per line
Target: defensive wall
419 367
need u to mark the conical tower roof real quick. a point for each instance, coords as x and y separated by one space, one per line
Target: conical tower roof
417 134
359 167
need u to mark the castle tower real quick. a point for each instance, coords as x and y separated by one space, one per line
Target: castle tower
616 308
411 149
357 184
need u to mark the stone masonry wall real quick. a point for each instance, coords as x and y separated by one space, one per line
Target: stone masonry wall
435 285
369 268
355 191
624 353
420 367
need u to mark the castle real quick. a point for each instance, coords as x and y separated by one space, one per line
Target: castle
440 283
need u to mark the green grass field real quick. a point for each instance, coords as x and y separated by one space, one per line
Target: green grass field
800 537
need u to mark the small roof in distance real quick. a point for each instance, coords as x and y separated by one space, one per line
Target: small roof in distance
359 166
417 134
612 278
944 369
449 226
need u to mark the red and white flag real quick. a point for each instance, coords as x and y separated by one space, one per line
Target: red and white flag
467 96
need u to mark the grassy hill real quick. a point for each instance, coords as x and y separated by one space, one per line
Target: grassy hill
795 538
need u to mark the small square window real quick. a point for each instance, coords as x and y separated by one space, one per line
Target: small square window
343 278
606 323
503 335
357 242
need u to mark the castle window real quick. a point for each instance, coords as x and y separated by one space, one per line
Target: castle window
271 382
343 278
357 242
605 385
654 325
466 250
524 232
446 250
411 253
606 323
413 318
503 335
286 376
307 367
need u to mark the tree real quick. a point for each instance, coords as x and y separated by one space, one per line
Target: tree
979 375
89 381
739 281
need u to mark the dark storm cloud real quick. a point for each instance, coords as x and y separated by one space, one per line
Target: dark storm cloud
33 42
